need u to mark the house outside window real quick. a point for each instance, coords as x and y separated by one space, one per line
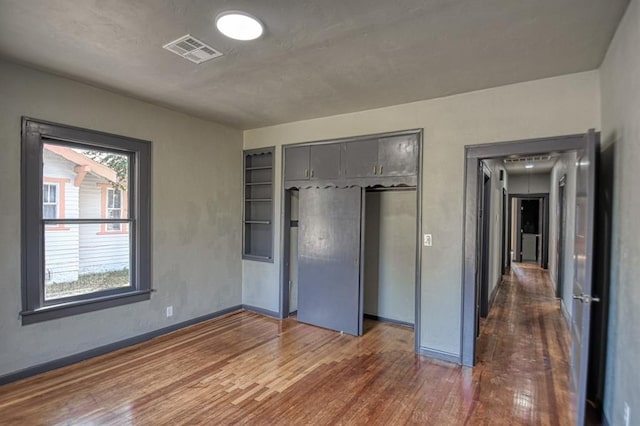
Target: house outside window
96 187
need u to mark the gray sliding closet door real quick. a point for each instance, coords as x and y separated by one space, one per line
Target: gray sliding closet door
329 258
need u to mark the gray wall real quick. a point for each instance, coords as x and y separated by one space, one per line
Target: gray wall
566 165
529 183
196 215
390 255
550 107
621 128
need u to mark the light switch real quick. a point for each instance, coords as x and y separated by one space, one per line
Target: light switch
428 241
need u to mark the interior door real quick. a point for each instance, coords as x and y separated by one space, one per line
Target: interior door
518 254
541 236
561 239
583 267
329 258
486 257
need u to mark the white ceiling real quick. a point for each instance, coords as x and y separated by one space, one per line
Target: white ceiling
318 57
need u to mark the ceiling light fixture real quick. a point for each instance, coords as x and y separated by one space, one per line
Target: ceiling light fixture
528 166
239 25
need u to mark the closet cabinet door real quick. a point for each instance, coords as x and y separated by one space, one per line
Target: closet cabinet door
360 158
329 258
296 163
398 156
325 161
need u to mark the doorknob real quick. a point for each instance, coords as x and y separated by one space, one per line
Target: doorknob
585 298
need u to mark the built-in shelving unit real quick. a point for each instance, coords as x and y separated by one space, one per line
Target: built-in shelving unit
258 205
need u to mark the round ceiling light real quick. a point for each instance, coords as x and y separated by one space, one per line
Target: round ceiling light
239 25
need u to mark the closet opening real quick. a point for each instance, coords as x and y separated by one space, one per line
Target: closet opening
389 256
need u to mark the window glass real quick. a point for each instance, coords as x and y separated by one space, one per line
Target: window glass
93 180
80 261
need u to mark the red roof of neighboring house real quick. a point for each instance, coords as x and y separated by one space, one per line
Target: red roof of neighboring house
75 157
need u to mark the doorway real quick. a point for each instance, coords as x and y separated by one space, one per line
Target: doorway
389 264
388 230
530 228
586 147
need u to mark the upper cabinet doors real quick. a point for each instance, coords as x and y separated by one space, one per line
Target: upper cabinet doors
398 156
296 163
360 158
392 156
325 161
312 162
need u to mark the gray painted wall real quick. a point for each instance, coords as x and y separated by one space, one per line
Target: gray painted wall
550 107
566 165
530 183
621 128
390 253
196 215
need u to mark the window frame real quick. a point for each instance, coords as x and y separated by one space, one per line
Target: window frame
35 133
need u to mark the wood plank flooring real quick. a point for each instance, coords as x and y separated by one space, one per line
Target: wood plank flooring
248 369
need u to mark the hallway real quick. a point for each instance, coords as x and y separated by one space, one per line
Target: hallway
524 350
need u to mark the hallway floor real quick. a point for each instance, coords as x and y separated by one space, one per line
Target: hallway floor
524 350
248 369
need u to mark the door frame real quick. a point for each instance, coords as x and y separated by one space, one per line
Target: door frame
285 218
544 198
472 156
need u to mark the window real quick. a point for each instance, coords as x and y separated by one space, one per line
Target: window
101 187
50 201
114 208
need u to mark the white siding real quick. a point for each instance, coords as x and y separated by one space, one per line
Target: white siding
61 246
99 252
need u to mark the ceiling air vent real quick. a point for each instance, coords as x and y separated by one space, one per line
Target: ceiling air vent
192 49
536 158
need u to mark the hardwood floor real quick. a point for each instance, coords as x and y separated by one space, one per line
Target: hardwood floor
248 369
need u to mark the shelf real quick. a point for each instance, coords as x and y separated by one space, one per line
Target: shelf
257 233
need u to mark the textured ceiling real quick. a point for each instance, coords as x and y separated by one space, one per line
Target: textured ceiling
318 57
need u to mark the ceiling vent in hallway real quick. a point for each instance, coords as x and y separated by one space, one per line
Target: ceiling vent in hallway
192 49
532 159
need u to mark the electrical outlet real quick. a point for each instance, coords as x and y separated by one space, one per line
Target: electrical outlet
428 240
627 414
169 311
